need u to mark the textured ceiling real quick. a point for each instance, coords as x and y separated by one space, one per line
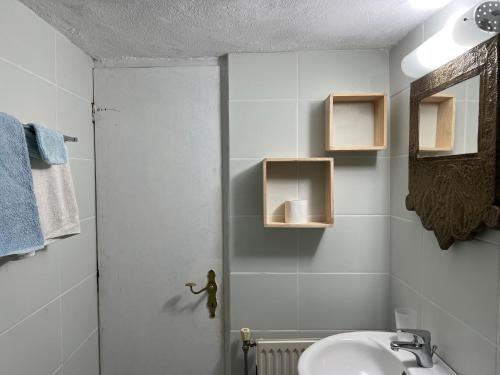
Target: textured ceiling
198 28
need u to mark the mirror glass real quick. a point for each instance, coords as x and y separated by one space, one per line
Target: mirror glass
448 120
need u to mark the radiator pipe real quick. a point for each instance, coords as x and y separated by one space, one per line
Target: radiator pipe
246 338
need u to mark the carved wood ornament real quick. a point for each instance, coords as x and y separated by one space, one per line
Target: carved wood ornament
457 196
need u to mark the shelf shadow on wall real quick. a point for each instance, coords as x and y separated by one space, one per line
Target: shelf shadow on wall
309 241
354 159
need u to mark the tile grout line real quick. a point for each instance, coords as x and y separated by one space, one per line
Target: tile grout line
336 216
80 159
59 368
331 155
297 280
80 346
259 273
47 304
59 255
399 92
297 104
295 330
46 80
444 311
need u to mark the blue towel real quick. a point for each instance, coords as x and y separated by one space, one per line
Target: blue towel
20 231
46 144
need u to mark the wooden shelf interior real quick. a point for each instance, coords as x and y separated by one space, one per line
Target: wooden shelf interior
436 127
304 178
356 122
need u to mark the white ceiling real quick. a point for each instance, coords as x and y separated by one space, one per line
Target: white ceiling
199 28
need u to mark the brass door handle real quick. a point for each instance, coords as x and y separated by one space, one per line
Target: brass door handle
211 289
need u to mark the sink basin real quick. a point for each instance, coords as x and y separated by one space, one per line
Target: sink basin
363 353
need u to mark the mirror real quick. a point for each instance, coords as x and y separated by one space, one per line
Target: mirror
448 120
453 179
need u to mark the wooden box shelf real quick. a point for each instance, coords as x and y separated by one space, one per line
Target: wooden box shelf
436 126
356 122
298 178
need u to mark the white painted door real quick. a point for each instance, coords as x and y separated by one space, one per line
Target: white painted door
158 160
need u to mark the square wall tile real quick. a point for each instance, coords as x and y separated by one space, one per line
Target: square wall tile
489 235
353 244
28 284
263 301
85 361
404 297
78 255
253 248
473 88
471 127
74 118
406 251
343 302
318 334
262 75
400 123
84 182
312 128
74 68
343 71
79 315
263 129
33 46
361 185
464 349
245 187
399 189
463 281
27 97
34 346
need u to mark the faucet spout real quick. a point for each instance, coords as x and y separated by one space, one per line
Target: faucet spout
420 347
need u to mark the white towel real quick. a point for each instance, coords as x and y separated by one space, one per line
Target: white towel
56 200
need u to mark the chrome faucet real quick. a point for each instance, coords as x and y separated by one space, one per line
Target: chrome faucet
420 346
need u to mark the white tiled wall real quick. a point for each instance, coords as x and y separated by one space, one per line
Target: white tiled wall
48 309
455 292
304 282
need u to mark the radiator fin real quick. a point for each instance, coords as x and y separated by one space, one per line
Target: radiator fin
280 357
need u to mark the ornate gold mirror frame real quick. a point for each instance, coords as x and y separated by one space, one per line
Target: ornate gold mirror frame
457 196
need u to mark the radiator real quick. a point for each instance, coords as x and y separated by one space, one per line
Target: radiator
280 357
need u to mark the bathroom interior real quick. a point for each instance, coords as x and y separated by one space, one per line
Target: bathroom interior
269 187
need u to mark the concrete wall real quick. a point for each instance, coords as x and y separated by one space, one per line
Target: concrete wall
48 308
455 292
304 282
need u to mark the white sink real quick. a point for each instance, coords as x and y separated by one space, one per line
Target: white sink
363 353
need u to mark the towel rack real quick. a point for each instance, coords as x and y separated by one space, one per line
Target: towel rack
67 138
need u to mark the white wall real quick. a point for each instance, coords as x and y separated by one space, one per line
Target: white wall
304 282
455 292
48 303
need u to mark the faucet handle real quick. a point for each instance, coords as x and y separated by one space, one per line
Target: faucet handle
422 333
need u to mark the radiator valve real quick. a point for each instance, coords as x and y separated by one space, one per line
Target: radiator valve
246 338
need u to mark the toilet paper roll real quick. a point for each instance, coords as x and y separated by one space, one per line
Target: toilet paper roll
296 211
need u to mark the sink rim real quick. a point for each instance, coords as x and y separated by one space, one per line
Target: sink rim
382 339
